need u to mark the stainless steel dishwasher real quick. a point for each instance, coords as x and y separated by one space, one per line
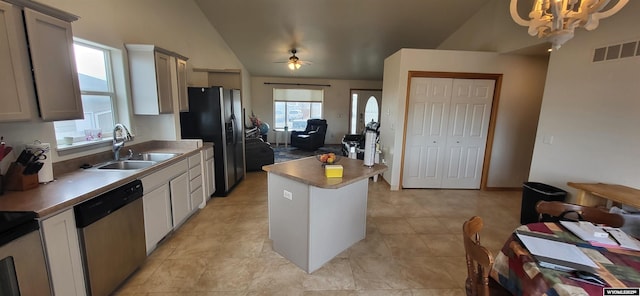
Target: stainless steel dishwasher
111 231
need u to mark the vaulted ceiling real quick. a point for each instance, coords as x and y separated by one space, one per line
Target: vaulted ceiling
344 39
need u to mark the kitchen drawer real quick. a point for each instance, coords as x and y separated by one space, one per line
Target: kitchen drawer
195 183
208 153
194 160
196 198
155 180
195 172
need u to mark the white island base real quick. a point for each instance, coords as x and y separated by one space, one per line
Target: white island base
315 224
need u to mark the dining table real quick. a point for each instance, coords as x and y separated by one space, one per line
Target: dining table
516 269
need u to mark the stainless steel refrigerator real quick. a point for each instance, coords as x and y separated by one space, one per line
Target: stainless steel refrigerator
215 115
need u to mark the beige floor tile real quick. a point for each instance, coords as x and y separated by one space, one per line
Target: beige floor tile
229 274
330 293
373 245
378 273
444 244
225 293
456 267
413 247
393 225
195 247
438 292
334 275
239 245
278 274
429 225
425 272
407 245
175 276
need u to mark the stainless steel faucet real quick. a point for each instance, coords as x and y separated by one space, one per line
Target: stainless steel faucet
120 135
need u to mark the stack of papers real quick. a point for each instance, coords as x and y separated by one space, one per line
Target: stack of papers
555 253
589 232
602 235
623 239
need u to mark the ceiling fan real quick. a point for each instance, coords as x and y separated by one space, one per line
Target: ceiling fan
294 62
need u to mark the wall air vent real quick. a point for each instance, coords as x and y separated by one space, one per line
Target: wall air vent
617 51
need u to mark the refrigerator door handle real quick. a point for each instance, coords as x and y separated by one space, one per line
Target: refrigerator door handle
233 129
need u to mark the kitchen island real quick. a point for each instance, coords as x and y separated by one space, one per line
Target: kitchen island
313 218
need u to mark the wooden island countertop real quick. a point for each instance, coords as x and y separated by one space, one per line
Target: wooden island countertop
311 172
591 194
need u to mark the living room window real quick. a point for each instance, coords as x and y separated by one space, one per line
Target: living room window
292 107
95 76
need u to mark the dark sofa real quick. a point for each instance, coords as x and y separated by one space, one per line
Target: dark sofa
258 153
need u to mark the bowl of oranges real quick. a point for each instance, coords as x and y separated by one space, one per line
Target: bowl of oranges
328 158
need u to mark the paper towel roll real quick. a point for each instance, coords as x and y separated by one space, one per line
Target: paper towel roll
45 175
369 148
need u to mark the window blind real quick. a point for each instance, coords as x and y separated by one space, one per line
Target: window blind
298 95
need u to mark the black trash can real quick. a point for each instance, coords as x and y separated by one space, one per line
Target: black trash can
532 193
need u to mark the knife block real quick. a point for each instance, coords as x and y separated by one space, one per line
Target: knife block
16 181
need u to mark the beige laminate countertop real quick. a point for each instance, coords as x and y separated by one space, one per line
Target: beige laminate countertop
311 172
79 185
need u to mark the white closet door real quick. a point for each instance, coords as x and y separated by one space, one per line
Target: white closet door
467 134
426 132
447 127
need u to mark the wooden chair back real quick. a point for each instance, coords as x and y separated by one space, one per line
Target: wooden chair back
479 259
591 214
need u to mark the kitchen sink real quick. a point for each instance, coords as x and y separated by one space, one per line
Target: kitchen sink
126 165
154 156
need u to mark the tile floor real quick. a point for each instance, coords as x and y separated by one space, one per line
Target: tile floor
413 247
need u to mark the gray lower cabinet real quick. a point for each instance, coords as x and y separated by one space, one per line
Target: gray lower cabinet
62 247
157 215
180 208
161 191
209 175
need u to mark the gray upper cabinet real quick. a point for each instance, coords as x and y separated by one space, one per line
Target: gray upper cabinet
150 69
181 71
52 67
16 85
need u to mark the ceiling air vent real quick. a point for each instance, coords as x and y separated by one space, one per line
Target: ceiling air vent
616 51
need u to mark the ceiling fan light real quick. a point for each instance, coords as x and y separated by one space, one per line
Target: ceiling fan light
294 62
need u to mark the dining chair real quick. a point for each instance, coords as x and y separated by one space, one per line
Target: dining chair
591 214
479 262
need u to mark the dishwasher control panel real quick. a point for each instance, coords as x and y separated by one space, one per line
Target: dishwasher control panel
102 205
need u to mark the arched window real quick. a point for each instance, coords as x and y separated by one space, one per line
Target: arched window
371 110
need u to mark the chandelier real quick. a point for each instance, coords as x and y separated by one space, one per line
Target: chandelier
555 20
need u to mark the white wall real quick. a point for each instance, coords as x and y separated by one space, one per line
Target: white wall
335 108
178 26
592 110
522 85
491 29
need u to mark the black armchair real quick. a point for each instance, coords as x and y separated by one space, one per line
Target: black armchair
312 137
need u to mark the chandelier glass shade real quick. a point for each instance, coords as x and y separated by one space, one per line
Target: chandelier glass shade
556 20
